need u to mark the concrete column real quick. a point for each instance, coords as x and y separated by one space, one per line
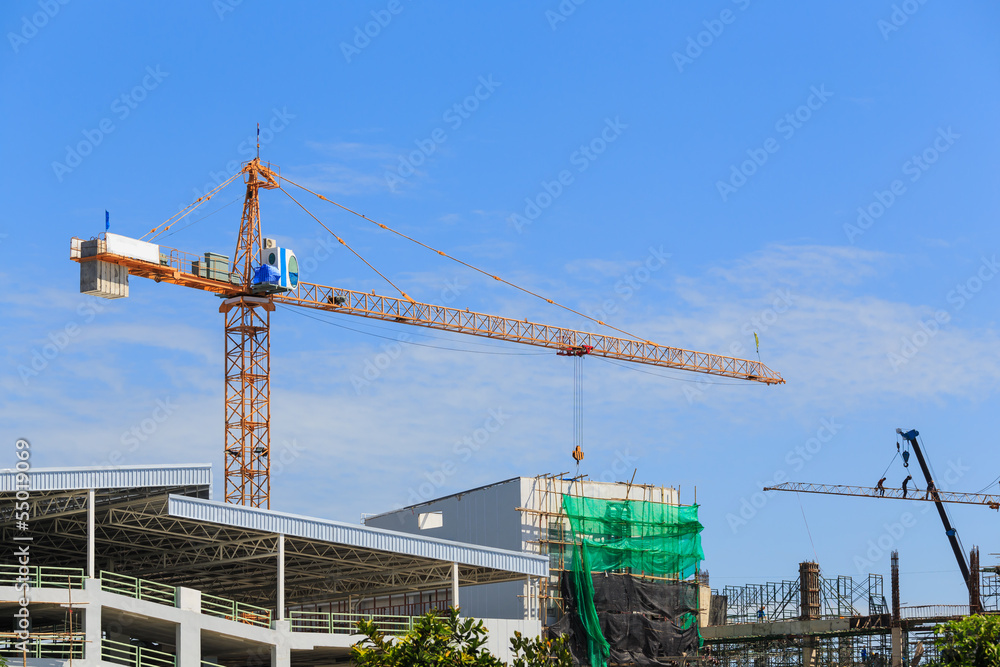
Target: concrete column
281 577
454 585
189 599
808 652
92 622
281 653
897 647
91 537
187 636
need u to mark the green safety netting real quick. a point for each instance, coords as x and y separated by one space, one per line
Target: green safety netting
634 536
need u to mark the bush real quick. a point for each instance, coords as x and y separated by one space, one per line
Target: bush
973 641
443 641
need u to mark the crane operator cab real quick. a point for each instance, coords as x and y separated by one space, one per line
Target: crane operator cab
278 270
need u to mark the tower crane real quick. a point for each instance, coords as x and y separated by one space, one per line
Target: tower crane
931 494
263 276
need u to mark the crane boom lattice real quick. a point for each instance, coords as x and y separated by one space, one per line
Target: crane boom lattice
993 502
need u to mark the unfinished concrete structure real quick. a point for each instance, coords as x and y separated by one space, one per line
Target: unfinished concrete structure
522 514
136 566
820 622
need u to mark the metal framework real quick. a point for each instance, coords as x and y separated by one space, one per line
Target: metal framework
394 309
782 640
248 400
248 361
989 590
781 600
137 535
993 502
247 325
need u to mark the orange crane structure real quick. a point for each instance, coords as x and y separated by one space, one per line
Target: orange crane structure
247 305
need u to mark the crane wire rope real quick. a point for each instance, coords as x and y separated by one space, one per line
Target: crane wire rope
578 401
983 490
805 521
344 243
187 210
470 266
890 464
209 215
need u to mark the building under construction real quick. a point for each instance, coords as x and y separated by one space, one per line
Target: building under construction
624 583
622 560
814 620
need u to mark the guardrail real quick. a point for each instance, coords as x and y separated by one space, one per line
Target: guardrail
135 656
206 663
347 624
140 589
934 611
235 611
42 577
43 649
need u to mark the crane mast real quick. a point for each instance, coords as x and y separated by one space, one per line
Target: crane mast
248 361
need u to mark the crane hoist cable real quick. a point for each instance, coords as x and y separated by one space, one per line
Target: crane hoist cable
344 243
470 266
890 464
187 210
578 400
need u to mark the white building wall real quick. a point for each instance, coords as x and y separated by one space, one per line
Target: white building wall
486 516
490 516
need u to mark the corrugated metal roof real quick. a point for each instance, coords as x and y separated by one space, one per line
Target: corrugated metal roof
363 537
410 508
104 477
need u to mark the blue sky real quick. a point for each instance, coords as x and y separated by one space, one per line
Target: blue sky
823 175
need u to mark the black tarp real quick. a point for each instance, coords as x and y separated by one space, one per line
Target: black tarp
639 619
717 610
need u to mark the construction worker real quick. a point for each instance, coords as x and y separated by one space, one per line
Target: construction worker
881 486
760 614
930 489
905 482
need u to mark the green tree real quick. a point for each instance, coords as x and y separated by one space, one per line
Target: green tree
443 641
973 641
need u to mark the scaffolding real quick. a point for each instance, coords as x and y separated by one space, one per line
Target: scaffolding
781 601
548 528
865 641
860 650
989 591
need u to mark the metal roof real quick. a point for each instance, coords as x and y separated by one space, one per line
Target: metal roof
156 522
363 537
110 477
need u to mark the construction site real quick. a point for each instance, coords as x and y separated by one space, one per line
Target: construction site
138 565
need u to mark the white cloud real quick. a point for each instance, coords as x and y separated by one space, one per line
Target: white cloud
367 449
